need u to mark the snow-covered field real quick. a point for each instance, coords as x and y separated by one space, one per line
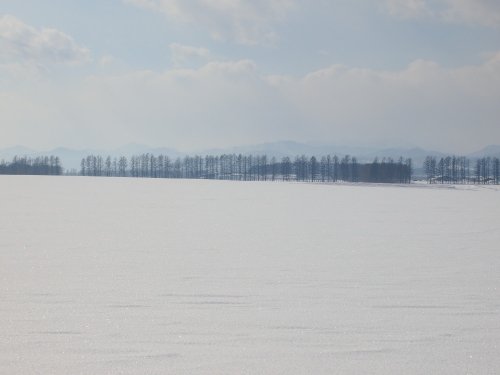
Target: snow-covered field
126 276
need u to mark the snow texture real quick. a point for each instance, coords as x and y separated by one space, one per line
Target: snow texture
132 276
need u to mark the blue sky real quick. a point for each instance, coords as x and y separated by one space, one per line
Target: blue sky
197 74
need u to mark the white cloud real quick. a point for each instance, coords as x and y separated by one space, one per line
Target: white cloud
219 104
16 72
182 54
425 103
230 103
107 60
407 8
242 21
480 12
23 44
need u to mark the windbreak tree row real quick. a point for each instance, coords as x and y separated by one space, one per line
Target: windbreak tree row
42 165
460 170
250 168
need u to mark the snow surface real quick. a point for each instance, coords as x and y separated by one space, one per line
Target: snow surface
131 276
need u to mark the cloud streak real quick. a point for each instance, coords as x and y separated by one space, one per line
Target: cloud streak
24 44
241 21
228 103
429 104
183 54
474 12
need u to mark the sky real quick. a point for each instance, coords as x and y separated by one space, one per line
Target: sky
201 74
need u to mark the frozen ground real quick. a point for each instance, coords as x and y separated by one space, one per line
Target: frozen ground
124 276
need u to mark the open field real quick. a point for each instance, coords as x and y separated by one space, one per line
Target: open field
132 276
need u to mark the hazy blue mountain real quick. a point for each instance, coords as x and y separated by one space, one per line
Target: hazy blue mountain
137 149
491 150
291 148
9 152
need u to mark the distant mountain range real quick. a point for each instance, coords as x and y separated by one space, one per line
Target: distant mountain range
71 158
492 151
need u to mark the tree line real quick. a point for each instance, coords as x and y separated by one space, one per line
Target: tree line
329 168
460 170
23 165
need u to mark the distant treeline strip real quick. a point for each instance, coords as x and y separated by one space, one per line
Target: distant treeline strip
460 170
42 165
445 170
250 168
